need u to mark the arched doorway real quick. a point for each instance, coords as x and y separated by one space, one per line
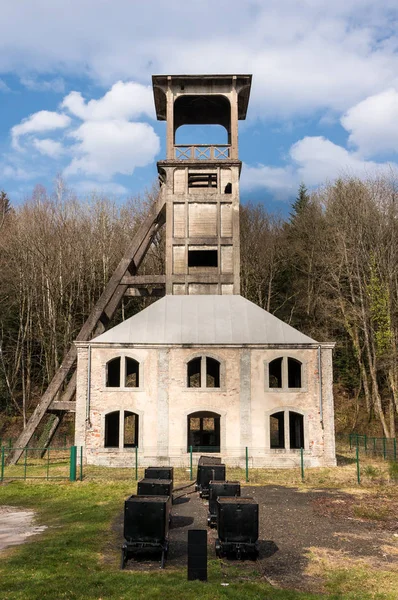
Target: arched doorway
204 432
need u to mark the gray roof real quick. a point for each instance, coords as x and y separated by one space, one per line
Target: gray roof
204 320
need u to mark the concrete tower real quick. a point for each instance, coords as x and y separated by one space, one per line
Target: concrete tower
201 182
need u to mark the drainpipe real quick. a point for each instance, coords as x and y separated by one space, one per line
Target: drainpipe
320 385
88 388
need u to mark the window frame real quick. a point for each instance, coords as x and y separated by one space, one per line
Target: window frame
123 358
286 410
203 373
285 375
139 414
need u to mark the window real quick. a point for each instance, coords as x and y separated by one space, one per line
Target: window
202 180
296 430
132 373
286 430
294 373
113 373
113 429
277 430
202 258
275 373
204 432
130 430
284 373
203 371
122 369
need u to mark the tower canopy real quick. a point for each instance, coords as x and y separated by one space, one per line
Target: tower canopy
202 106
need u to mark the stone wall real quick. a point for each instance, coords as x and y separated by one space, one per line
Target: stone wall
244 402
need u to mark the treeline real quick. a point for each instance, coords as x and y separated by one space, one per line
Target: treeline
330 269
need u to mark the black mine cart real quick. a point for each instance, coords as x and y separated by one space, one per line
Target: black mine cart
237 527
217 489
155 487
146 526
208 470
159 473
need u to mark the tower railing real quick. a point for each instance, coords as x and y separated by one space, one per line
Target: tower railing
202 152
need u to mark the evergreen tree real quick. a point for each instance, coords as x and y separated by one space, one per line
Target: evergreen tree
301 203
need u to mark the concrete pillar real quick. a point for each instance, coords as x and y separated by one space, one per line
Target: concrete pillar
245 398
163 403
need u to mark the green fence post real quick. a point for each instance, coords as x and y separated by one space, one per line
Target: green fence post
358 469
366 443
136 463
25 463
2 462
9 443
72 467
247 464
384 448
81 463
190 464
302 463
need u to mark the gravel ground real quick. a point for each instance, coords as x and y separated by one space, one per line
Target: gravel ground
291 522
16 526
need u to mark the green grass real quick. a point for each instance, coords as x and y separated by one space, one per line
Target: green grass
77 557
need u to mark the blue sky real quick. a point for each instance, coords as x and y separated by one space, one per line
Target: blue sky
76 98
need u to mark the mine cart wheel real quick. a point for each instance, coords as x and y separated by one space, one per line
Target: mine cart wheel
123 560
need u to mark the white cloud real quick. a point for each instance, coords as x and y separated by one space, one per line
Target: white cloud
313 160
56 85
14 172
304 56
123 101
41 121
373 124
49 147
109 147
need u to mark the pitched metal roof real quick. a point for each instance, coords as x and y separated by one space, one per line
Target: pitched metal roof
198 319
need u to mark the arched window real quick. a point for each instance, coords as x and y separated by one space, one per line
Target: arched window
203 372
286 430
204 432
113 432
130 430
113 372
275 373
132 373
293 373
277 430
285 373
296 430
112 429
123 372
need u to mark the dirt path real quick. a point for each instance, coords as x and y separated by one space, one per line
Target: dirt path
290 524
16 526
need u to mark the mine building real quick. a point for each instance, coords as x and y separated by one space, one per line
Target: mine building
202 367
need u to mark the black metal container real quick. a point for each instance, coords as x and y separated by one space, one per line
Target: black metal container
209 460
146 525
237 526
155 487
207 473
159 473
217 489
